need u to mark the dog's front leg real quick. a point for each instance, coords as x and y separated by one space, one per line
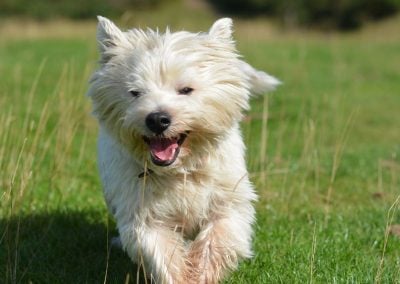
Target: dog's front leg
160 250
219 246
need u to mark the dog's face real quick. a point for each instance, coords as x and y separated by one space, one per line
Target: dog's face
173 95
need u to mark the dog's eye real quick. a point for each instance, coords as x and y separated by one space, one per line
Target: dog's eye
185 91
135 93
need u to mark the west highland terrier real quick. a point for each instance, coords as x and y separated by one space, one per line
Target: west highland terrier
170 151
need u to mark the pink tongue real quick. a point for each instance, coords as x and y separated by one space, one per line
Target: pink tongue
163 149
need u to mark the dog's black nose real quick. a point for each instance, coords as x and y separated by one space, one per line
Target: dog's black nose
158 121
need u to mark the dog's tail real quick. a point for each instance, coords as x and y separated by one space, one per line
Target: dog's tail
259 81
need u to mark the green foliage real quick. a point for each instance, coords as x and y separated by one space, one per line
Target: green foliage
347 14
75 9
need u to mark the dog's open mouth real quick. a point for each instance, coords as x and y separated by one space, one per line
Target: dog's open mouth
164 151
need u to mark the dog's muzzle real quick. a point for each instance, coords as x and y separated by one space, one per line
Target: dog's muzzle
163 150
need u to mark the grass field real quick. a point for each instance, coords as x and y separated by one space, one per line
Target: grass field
327 170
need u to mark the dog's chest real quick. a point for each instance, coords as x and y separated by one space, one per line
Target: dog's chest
183 203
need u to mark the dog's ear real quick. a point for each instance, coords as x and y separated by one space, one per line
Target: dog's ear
259 81
222 29
109 36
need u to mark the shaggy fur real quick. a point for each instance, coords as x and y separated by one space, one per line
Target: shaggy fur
171 156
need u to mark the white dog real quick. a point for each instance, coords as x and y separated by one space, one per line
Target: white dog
171 155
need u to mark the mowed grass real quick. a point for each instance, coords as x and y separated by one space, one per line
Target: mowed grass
323 152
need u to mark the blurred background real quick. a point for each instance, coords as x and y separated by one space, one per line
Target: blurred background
323 14
323 149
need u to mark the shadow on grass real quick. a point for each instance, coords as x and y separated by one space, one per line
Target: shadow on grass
68 247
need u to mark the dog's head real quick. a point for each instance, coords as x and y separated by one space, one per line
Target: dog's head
169 96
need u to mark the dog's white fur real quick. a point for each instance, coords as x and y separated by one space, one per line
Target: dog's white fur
190 221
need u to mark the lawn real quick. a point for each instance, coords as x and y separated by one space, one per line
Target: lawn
323 152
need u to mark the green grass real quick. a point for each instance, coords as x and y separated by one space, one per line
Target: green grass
327 170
